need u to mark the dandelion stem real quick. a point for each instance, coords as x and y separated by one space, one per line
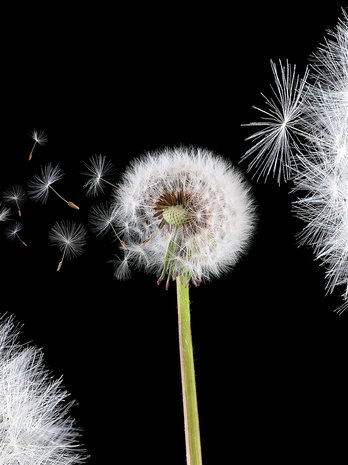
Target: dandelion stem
192 434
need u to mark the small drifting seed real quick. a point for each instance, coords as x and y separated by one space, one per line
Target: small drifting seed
59 265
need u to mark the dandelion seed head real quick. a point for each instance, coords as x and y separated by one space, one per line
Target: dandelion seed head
184 211
35 426
305 129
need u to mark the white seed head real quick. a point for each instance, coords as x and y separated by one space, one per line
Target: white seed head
68 236
183 211
98 170
39 136
320 170
34 424
38 186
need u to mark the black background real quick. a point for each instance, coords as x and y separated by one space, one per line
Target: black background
270 353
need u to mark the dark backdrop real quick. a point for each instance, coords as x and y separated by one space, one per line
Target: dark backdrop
270 353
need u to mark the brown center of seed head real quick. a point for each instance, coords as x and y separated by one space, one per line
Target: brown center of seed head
166 206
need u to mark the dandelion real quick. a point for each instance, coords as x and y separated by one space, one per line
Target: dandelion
70 238
13 230
41 184
39 138
185 214
15 194
4 213
99 169
189 210
320 169
34 407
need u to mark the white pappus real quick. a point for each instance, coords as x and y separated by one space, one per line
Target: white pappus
40 138
35 427
12 232
318 162
40 185
15 194
183 212
69 237
101 219
98 170
4 213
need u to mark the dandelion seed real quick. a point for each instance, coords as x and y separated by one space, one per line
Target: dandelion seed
187 211
101 219
275 143
15 194
70 238
34 424
4 213
40 138
99 169
13 230
41 184
122 269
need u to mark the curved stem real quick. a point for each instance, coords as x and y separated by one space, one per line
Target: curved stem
192 434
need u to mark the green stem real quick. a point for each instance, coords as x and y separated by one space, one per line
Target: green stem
192 436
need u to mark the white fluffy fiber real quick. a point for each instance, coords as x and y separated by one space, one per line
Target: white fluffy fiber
314 140
34 425
221 208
